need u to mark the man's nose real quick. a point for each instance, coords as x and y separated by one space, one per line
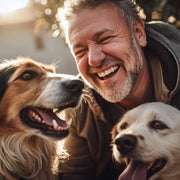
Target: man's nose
95 55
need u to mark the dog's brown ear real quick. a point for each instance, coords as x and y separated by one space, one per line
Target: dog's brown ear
5 74
114 132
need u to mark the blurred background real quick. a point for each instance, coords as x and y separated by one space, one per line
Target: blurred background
30 28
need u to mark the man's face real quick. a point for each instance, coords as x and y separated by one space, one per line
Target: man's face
107 55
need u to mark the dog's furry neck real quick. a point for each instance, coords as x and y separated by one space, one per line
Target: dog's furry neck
24 155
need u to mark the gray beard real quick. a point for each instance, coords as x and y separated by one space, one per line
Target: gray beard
118 94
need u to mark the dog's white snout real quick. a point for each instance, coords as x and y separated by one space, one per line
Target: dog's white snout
126 143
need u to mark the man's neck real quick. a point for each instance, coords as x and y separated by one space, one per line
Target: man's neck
142 91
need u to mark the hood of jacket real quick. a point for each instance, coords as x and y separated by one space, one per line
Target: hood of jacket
164 40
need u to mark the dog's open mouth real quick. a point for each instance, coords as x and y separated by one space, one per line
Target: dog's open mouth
45 120
155 166
141 170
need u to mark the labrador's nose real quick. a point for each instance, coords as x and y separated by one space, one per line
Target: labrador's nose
126 143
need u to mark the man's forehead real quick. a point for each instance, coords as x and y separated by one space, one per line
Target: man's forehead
92 24
88 16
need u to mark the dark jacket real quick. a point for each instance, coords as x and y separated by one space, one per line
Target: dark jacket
89 141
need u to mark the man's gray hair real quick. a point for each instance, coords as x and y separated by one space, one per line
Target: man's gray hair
127 8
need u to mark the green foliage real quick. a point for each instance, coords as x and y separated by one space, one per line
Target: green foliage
163 10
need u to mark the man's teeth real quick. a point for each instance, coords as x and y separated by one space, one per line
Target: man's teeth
108 71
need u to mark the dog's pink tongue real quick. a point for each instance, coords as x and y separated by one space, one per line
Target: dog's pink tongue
134 171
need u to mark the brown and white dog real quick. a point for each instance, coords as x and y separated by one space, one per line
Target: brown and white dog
30 93
149 137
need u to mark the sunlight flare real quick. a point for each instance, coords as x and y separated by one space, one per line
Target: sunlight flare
12 5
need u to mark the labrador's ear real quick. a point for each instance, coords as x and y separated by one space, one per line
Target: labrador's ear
114 132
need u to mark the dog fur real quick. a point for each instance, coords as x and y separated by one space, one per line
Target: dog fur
29 129
147 134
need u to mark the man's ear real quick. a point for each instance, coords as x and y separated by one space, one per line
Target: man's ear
139 31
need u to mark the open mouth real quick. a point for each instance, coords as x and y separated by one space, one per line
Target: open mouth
156 166
108 73
142 170
46 120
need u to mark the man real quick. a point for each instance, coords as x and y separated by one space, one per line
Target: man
124 64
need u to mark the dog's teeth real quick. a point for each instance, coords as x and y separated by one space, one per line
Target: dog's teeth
55 124
59 128
69 122
34 115
38 118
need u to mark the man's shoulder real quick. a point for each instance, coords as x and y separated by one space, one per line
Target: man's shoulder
162 31
160 26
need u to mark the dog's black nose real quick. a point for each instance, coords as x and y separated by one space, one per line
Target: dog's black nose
73 86
126 143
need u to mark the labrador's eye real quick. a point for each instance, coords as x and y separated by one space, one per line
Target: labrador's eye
124 126
158 125
27 75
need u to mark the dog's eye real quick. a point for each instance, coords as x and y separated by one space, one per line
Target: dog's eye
158 125
27 75
124 125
